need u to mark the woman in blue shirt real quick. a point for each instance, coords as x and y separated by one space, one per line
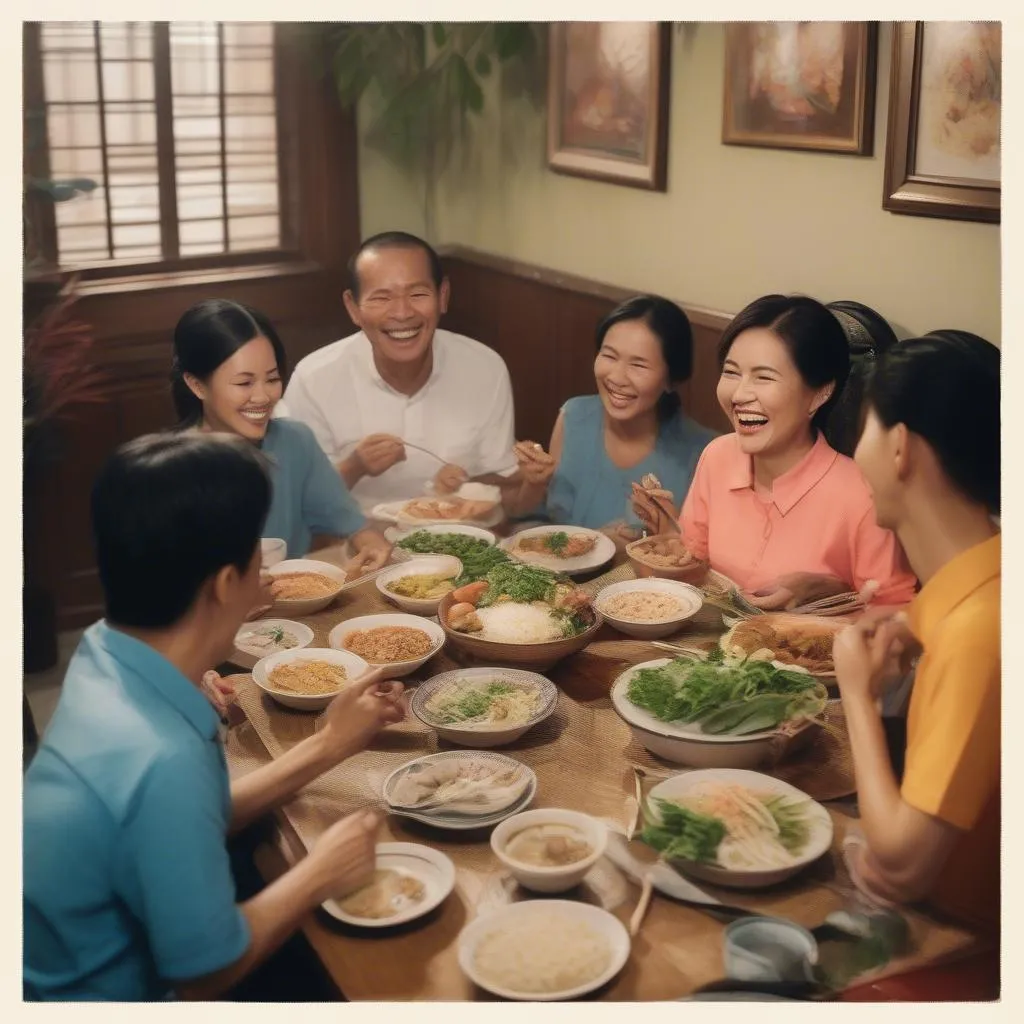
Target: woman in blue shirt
634 425
229 365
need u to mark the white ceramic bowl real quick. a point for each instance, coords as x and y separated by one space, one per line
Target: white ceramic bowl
272 551
493 735
550 879
392 669
427 565
353 665
690 597
307 606
818 841
600 920
401 555
687 744
430 867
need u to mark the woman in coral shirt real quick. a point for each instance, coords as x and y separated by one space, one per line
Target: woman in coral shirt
930 451
772 505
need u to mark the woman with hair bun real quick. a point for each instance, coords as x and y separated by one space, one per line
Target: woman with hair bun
930 450
603 444
228 372
772 505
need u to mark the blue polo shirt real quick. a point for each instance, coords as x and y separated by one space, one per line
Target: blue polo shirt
127 879
309 495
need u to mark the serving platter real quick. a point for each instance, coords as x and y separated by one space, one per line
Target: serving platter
600 555
451 820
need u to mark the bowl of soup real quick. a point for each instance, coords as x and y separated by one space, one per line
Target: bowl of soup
549 849
304 586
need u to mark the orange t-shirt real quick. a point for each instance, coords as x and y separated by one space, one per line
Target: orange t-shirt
820 518
953 726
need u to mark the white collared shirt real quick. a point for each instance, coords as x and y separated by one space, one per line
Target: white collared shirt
463 413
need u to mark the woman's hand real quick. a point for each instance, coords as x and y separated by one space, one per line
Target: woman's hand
535 464
372 550
358 713
449 478
655 519
796 589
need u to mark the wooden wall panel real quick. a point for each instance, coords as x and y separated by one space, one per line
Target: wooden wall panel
543 325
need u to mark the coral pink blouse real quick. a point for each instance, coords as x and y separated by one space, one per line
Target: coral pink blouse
820 518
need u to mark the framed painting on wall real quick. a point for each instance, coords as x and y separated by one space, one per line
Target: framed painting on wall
800 85
608 95
942 153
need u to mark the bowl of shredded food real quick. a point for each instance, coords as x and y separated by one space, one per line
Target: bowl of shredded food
664 555
543 950
302 586
419 585
736 828
484 707
308 678
400 643
718 713
649 608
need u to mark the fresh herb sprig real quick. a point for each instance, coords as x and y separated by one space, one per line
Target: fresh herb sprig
477 556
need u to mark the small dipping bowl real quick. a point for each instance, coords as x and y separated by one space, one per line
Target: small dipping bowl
272 551
769 949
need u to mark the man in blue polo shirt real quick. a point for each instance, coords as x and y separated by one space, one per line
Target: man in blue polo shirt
128 892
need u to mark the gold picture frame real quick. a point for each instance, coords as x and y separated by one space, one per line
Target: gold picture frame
801 85
608 97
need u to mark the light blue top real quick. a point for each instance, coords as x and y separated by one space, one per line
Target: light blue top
127 878
588 489
309 495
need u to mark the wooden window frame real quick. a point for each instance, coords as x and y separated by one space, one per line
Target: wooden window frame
317 176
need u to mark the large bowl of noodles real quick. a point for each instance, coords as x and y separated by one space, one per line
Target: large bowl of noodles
484 707
769 830
309 678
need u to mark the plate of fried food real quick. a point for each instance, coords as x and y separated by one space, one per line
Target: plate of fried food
472 505
571 550
790 639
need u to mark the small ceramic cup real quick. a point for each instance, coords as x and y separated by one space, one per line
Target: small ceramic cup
272 551
769 949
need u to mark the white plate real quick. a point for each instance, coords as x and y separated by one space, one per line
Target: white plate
433 869
302 633
818 842
600 920
392 669
453 820
601 554
391 512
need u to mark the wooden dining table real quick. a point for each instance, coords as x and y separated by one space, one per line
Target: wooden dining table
584 757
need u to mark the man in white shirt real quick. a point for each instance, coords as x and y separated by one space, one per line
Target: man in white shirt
401 382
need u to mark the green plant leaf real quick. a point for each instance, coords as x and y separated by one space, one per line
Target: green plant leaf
439 34
482 65
513 39
469 92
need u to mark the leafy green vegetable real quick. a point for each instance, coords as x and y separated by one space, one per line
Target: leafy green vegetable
683 833
477 556
556 541
791 817
515 581
753 696
471 703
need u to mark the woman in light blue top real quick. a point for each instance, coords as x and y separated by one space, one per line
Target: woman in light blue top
602 444
228 371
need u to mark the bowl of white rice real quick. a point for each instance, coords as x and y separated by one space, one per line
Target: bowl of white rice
543 950
517 634
649 608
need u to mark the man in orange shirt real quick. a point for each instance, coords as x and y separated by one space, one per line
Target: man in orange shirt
935 480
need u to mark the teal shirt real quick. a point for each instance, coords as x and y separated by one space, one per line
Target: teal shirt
127 883
309 495
588 489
